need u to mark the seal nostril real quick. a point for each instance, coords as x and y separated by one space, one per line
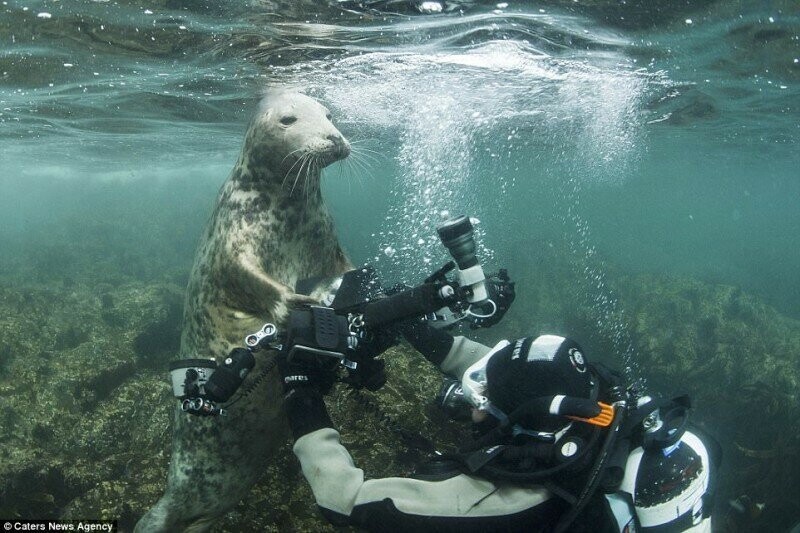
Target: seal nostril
340 146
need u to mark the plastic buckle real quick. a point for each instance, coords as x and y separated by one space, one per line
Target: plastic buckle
604 419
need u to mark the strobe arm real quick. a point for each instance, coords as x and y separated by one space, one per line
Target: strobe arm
414 302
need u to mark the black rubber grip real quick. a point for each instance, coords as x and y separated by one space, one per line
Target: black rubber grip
434 344
326 330
412 302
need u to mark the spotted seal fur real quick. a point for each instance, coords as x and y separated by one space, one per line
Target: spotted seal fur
269 229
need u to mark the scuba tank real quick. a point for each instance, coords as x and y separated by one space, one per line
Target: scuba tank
668 476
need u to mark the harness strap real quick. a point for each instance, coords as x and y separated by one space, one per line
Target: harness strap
596 473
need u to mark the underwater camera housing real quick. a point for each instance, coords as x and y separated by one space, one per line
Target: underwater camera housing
364 317
472 295
201 383
457 236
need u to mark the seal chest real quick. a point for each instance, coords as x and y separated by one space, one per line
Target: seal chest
268 230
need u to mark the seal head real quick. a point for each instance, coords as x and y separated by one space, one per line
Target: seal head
290 139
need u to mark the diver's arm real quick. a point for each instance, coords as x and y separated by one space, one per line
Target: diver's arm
453 355
345 498
434 344
406 504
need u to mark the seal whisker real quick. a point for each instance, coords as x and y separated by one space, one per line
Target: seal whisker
365 163
362 165
369 157
303 160
353 174
366 152
304 182
346 171
288 172
306 157
290 153
364 170
314 168
365 149
359 168
305 179
358 171
359 164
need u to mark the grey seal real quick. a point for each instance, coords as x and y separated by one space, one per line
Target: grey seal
269 230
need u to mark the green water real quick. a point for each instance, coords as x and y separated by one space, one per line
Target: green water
595 142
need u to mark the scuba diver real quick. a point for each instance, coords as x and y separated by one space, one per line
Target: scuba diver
551 451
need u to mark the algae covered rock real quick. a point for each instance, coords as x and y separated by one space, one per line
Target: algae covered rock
714 338
79 412
86 408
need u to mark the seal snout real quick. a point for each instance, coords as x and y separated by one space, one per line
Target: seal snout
341 147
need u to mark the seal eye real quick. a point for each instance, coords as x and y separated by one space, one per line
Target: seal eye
329 116
288 121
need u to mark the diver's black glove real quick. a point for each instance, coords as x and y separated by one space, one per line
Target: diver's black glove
501 291
307 371
302 380
370 372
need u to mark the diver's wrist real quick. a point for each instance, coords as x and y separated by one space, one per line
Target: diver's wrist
306 411
434 344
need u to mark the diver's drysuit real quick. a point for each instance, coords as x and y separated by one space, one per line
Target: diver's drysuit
663 490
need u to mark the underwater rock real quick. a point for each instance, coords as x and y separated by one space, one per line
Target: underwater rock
684 106
160 340
5 357
764 48
692 333
90 437
695 106
113 318
106 301
34 486
98 387
69 338
47 435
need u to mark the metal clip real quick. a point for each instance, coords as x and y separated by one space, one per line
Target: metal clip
352 365
355 323
264 336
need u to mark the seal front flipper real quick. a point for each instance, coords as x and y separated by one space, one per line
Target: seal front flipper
322 289
265 294
294 300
